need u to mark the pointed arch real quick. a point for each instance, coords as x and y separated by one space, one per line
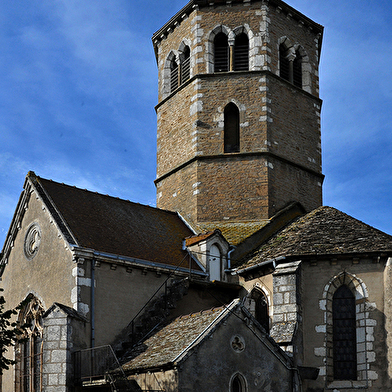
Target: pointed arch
215 262
241 52
231 128
259 307
185 64
210 49
344 334
28 369
238 383
173 75
221 53
345 304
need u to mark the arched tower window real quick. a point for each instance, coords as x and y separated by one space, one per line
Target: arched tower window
231 128
297 69
241 53
185 64
173 75
284 63
261 313
221 53
344 335
238 384
29 350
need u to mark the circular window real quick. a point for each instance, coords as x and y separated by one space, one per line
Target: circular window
237 343
32 241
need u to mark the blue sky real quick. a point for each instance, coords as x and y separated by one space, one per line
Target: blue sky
78 88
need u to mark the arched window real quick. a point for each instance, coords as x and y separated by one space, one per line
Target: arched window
297 70
261 308
173 75
238 384
241 53
185 64
29 359
284 63
215 263
231 128
221 53
344 335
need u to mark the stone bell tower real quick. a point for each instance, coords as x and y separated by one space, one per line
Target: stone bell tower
238 111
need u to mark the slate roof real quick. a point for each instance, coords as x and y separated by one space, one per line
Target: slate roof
169 345
234 232
112 225
323 231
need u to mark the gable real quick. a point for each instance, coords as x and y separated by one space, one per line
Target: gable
36 257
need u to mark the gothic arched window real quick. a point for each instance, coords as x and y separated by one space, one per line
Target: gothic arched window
344 335
261 308
185 64
241 53
29 358
284 63
221 53
297 70
173 75
231 128
238 384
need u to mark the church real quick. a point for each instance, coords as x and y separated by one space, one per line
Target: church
239 280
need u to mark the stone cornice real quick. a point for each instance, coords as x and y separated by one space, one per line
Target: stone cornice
176 20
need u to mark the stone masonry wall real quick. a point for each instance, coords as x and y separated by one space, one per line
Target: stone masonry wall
275 118
56 356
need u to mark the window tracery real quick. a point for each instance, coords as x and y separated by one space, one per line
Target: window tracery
29 349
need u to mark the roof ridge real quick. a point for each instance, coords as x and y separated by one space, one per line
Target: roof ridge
38 178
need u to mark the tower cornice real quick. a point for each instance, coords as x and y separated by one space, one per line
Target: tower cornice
176 20
236 156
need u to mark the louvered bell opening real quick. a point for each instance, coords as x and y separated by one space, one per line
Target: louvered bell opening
297 71
173 76
241 53
221 53
186 66
284 64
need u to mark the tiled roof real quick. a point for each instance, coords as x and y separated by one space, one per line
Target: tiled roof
198 237
234 232
323 231
112 225
168 345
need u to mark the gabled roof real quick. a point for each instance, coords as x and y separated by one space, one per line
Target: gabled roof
323 231
113 226
171 344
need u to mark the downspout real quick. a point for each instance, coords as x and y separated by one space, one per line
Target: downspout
92 303
233 248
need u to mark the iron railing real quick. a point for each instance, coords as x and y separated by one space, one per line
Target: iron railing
94 364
